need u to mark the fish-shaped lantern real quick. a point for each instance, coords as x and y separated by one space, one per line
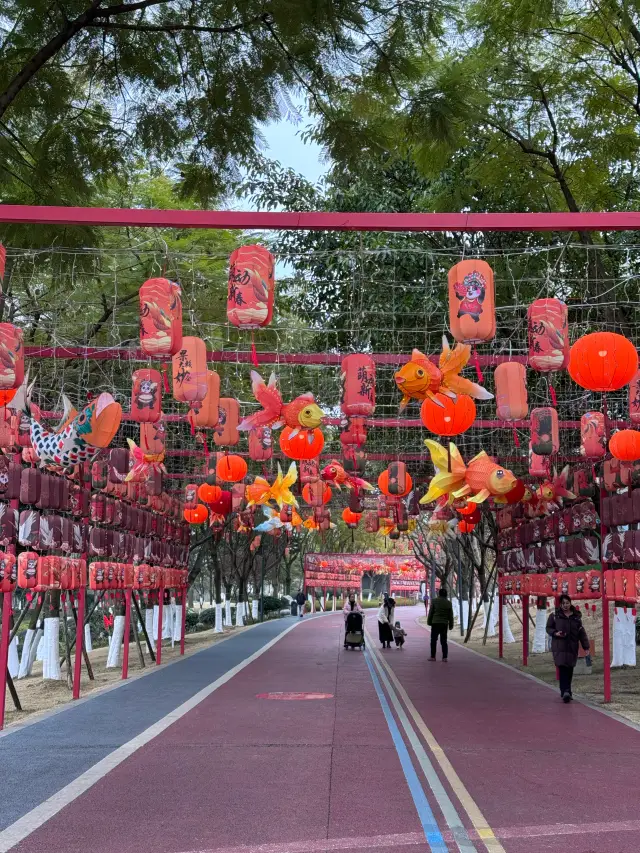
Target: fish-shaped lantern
335 474
477 481
303 413
260 492
144 463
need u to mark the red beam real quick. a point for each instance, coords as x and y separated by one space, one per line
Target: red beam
313 221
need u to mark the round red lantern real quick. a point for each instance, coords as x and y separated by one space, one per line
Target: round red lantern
383 485
309 496
306 444
223 504
209 494
351 518
469 509
197 515
453 417
466 526
473 518
603 361
625 445
231 469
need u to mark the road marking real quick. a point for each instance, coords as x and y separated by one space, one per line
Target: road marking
294 697
478 820
33 820
434 838
458 830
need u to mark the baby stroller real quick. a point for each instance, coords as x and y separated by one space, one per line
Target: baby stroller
354 631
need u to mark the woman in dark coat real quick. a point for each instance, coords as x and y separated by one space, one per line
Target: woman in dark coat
564 626
385 621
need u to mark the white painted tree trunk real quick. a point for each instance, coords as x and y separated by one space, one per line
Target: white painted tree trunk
333 603
369 596
218 626
227 612
88 644
177 624
254 609
156 612
239 614
113 658
456 609
51 651
624 643
24 668
540 633
167 621
40 646
506 627
13 664
489 609
148 624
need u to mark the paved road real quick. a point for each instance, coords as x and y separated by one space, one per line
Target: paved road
397 753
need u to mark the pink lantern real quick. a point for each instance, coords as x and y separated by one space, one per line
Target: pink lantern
251 287
146 396
592 443
358 385
190 372
11 357
548 327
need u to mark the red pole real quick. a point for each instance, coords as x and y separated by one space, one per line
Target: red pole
4 652
160 612
606 644
183 624
500 628
127 628
525 630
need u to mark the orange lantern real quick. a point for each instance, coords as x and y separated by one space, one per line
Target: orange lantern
358 385
625 445
390 482
511 391
190 372
469 509
7 396
226 432
11 357
548 330
209 494
472 310
152 438
452 417
196 516
634 399
146 396
207 415
603 361
545 436
592 435
160 317
316 493
251 287
231 469
351 519
260 444
306 444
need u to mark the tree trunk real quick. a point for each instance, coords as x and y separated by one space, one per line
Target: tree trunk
31 640
51 657
113 658
240 605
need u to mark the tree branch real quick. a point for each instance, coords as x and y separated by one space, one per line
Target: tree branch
174 28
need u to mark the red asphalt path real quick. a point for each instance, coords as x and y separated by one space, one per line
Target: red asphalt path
260 776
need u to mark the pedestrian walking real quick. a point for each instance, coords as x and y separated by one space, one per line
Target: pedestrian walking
566 630
385 621
301 601
440 619
399 634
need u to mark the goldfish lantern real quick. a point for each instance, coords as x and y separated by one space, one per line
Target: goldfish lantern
358 385
251 287
511 391
625 445
160 317
146 396
301 444
11 357
231 469
260 444
545 439
207 414
548 331
538 465
209 494
196 516
190 372
350 518
317 493
152 438
472 310
448 416
634 399
395 481
226 432
603 361
592 435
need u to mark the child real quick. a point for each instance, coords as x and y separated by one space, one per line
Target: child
399 634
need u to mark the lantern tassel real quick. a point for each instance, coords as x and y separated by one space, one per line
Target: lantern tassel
476 362
254 353
205 445
191 420
165 379
552 392
516 440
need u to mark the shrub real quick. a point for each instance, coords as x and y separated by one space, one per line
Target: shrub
192 618
207 617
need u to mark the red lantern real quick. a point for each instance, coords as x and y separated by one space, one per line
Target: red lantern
160 317
625 445
545 437
351 519
309 472
453 417
207 415
391 482
251 287
538 465
226 432
28 569
209 494
260 444
603 361
7 396
307 444
592 442
223 505
196 516
516 494
11 357
231 469
146 396
634 399
511 391
472 311
358 385
190 372
466 526
8 572
152 438
548 328
469 509
316 493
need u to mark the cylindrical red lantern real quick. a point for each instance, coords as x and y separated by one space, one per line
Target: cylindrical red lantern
358 385
207 416
307 444
260 444
191 496
538 465
316 493
152 438
226 432
634 399
146 396
511 391
351 518
231 469
196 516
625 445
8 572
545 436
395 481
11 357
251 287
592 442
309 471
209 494
603 361
453 417
160 317
548 329
466 526
190 372
472 310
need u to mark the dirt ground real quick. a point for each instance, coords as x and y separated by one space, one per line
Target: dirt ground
37 695
625 681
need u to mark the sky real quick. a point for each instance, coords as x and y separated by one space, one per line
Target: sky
285 145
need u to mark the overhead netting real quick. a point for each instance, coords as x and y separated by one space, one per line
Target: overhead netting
336 293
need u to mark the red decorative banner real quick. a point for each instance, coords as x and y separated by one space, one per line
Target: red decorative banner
346 570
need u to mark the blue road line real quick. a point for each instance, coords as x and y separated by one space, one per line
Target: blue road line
427 818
